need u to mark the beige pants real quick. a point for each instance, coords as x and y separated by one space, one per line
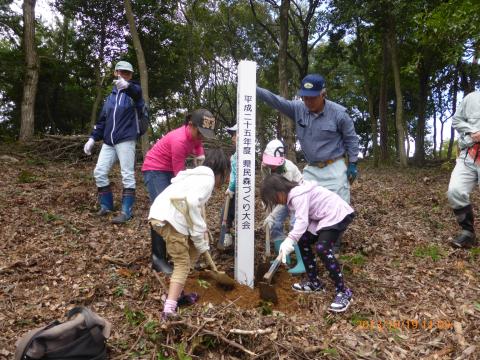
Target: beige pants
181 250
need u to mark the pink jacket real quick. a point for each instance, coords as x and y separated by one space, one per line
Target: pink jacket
170 152
315 208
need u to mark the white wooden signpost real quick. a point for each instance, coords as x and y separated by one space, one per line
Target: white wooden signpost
245 191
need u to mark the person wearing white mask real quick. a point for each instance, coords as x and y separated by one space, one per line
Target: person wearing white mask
118 126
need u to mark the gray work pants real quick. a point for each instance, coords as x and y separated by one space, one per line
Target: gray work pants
464 177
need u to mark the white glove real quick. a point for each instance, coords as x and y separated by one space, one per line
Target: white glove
230 193
201 244
121 83
87 149
286 247
199 160
269 220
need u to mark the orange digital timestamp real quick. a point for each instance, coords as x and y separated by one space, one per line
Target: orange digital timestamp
407 324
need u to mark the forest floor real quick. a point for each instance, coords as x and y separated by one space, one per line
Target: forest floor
414 296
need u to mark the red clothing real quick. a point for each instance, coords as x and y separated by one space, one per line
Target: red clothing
170 152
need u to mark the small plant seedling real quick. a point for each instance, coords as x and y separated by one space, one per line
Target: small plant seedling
26 177
203 283
432 251
265 307
133 317
119 291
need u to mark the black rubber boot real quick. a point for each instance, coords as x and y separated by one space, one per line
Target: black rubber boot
466 239
159 254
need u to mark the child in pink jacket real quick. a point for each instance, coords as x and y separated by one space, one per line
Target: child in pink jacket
320 217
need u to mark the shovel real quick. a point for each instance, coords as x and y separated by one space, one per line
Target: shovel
223 229
267 290
219 276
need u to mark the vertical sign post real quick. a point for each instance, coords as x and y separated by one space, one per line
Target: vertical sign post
245 194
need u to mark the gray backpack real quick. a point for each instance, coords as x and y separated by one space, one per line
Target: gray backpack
83 336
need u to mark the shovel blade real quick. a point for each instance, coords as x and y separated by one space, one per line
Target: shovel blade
268 292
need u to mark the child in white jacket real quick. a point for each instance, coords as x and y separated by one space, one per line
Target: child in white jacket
176 215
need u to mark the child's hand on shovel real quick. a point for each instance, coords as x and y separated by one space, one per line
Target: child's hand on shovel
286 248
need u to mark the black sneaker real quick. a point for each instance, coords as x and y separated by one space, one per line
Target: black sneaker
307 286
466 240
342 301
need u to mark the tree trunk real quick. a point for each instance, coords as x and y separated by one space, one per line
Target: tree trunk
399 122
422 102
382 105
454 109
27 123
434 131
287 125
373 123
99 78
142 65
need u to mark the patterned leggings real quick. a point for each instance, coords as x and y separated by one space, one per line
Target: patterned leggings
323 247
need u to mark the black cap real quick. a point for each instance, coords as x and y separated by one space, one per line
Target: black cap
312 85
204 121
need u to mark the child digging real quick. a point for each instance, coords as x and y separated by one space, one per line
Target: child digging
176 216
320 217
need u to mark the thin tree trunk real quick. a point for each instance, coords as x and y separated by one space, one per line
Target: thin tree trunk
99 78
373 124
287 124
382 105
434 131
420 138
27 124
142 65
399 122
454 109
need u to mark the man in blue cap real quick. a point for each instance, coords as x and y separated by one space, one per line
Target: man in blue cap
118 126
326 134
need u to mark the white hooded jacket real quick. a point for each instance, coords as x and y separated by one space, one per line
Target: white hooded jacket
195 186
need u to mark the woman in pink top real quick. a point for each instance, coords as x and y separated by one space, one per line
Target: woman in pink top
166 159
320 217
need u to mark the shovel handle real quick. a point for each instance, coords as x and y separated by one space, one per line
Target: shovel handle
273 268
210 262
225 209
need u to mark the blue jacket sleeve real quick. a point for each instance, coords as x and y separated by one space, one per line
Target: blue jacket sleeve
134 90
350 138
277 102
233 173
99 128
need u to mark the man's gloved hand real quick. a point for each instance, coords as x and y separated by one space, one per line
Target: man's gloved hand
87 149
230 193
269 221
121 83
286 247
199 160
352 172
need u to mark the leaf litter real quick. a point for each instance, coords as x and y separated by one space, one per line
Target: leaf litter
414 296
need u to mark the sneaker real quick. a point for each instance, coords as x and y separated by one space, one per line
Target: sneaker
342 301
228 240
307 286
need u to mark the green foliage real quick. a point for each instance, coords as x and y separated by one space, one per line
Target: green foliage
119 291
203 283
26 177
432 251
182 353
355 259
265 307
133 317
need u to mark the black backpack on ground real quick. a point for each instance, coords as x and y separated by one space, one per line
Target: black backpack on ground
83 336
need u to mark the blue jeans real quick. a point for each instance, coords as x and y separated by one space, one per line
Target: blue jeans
124 152
276 232
156 181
